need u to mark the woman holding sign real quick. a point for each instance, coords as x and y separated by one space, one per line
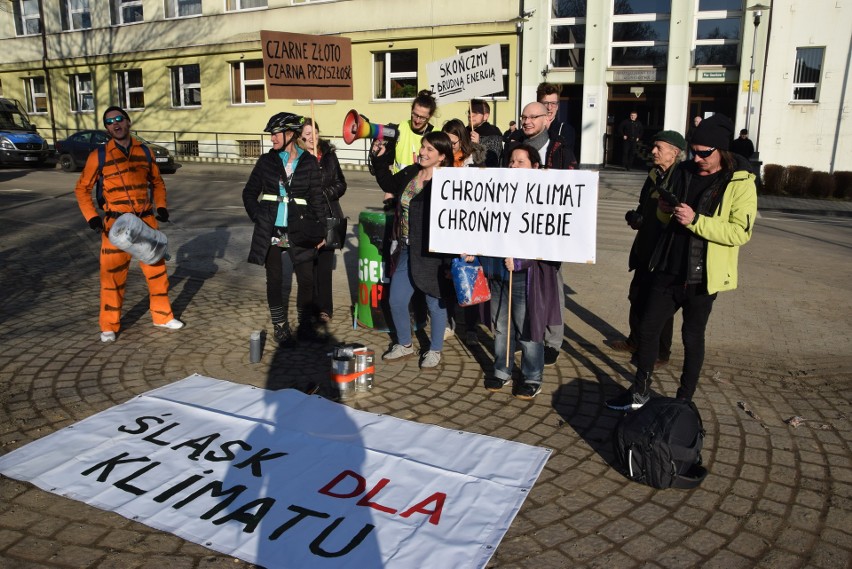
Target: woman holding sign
534 305
413 267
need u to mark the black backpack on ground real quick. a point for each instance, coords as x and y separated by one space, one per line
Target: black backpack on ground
660 444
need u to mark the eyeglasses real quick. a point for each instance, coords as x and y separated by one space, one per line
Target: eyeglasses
551 104
531 117
109 121
703 153
421 117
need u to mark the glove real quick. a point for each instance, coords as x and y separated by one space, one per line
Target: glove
162 214
96 224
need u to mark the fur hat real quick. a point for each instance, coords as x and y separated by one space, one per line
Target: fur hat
672 137
716 132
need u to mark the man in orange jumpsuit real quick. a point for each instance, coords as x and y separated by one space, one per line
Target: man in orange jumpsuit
127 172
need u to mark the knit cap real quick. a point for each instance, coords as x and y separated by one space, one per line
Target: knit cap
715 132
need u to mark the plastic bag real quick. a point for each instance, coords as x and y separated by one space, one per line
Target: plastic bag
470 282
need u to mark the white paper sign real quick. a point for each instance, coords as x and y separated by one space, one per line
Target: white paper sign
287 480
515 212
474 73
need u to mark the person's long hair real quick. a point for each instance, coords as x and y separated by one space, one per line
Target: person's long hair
457 128
441 142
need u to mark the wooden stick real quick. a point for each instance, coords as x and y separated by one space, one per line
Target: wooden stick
509 322
314 126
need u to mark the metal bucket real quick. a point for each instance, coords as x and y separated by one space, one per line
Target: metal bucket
343 375
365 368
352 369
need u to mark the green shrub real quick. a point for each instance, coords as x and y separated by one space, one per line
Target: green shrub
773 178
821 185
798 180
843 185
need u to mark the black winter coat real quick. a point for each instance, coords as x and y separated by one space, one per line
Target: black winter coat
427 269
332 180
264 179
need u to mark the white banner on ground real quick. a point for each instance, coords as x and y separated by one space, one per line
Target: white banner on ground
474 73
287 480
515 212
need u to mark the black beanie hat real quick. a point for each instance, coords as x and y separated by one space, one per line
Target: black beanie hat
716 132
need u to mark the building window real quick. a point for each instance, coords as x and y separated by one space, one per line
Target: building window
76 15
82 94
395 74
125 11
186 86
504 64
567 33
36 94
27 20
247 83
131 93
718 33
640 33
182 8
807 73
236 5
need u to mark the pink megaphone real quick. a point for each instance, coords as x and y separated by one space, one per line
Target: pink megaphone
357 126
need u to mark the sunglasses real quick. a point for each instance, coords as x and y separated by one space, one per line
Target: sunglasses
703 153
109 121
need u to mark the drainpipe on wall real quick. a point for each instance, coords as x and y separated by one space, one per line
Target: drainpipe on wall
840 109
519 28
47 83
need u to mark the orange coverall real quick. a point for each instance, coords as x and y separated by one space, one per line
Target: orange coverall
125 188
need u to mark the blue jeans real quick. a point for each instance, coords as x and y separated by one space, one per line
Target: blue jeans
532 353
401 290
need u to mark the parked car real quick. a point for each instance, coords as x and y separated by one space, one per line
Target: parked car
74 150
20 143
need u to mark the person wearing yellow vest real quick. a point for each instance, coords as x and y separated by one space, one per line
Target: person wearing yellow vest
405 147
127 173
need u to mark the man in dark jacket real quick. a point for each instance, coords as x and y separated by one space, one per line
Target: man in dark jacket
631 133
668 150
555 154
484 133
742 145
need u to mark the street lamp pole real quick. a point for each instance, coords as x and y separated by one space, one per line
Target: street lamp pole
758 12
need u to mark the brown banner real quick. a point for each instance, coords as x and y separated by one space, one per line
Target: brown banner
301 66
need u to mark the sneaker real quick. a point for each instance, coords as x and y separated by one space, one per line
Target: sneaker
173 324
449 333
494 384
627 401
399 352
430 360
550 356
107 337
528 391
324 317
282 333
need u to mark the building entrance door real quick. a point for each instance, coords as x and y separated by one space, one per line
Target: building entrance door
648 101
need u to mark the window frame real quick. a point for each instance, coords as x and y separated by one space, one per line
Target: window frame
183 87
33 95
68 13
124 90
174 7
246 82
718 15
816 86
237 6
21 19
117 12
77 93
552 48
391 75
637 19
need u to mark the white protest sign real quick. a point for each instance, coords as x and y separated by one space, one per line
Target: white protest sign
287 480
515 212
474 73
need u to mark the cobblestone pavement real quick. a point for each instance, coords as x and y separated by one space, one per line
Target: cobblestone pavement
777 496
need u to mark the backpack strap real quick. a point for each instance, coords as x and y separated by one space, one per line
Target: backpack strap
147 152
691 479
99 184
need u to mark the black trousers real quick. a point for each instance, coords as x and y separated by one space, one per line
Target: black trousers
275 283
640 288
628 149
323 267
664 299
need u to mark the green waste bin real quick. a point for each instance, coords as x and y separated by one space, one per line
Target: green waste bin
372 309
